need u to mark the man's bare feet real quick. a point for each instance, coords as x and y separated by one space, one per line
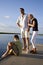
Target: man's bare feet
25 51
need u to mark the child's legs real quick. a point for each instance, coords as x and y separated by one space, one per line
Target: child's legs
7 51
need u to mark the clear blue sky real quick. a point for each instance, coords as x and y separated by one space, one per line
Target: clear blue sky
9 12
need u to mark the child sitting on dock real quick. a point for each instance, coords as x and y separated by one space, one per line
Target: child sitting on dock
14 47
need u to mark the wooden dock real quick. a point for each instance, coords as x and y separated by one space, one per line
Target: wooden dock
25 59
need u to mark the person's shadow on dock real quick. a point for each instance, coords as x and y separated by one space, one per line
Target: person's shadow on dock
38 55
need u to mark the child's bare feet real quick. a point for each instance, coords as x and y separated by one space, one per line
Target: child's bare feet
3 56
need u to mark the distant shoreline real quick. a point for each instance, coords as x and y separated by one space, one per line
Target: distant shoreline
16 33
8 33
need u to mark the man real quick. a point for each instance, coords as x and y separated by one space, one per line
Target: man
34 25
22 22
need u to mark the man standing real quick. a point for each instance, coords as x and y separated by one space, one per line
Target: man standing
22 22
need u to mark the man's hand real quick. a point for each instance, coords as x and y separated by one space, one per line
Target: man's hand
19 25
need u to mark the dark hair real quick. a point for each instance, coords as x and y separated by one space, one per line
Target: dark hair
22 9
16 36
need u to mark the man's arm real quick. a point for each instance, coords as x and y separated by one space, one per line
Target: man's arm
19 25
18 22
28 25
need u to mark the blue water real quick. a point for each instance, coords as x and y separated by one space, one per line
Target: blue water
5 38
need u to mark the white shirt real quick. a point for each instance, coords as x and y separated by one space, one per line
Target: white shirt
23 21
